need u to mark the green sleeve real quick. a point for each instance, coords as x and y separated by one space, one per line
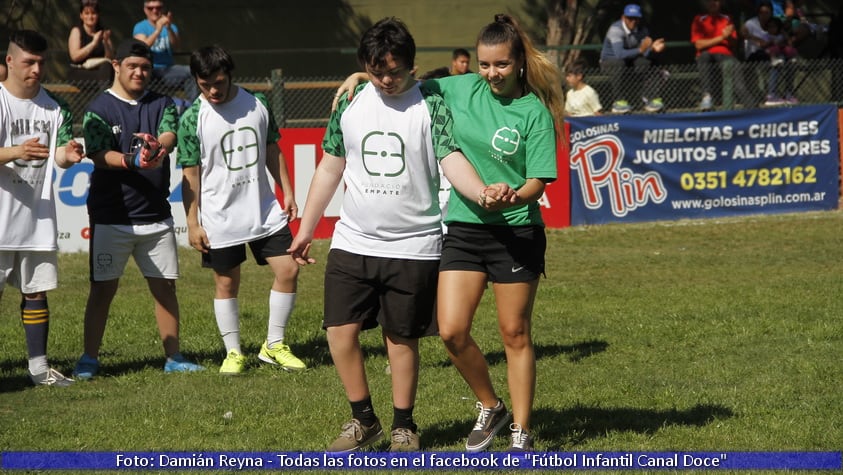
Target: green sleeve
65 132
97 133
333 143
189 151
272 135
170 120
441 124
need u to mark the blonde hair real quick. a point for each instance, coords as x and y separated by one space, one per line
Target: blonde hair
540 76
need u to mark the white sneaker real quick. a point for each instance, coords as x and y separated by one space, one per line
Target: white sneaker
51 377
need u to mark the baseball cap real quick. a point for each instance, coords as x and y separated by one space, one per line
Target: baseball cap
632 10
133 47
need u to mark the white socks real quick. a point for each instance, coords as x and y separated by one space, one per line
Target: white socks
227 313
280 308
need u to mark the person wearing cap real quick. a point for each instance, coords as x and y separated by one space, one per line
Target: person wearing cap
35 133
629 52
130 132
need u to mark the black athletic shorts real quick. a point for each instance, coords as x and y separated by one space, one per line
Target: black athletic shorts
397 294
507 254
227 258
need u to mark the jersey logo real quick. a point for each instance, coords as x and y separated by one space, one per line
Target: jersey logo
240 151
506 140
383 154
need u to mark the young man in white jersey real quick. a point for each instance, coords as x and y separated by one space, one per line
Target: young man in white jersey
228 150
35 132
383 264
129 133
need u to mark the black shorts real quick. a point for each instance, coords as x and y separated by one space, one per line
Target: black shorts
227 258
507 254
397 294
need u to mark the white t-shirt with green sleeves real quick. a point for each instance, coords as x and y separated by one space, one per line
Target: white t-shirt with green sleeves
392 146
507 140
228 141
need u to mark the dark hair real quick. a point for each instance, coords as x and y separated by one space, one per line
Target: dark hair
460 52
95 4
29 41
387 36
210 59
577 67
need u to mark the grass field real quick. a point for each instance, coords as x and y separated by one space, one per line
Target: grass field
717 335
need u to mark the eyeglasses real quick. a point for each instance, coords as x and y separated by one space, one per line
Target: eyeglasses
154 7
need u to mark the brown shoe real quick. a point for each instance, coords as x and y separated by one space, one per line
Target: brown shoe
404 440
355 436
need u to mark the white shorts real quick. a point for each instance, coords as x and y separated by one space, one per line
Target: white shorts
152 245
29 271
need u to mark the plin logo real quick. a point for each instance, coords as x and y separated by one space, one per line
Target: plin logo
383 154
240 148
626 190
506 140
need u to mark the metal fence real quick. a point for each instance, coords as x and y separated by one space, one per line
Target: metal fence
737 85
306 101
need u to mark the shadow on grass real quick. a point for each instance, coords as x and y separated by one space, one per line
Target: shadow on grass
571 427
562 430
575 353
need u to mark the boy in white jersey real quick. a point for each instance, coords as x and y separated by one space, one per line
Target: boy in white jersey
383 263
35 132
227 142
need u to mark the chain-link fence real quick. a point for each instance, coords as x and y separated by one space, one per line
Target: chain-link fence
306 102
732 85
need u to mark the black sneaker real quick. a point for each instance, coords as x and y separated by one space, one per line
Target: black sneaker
355 436
489 422
521 440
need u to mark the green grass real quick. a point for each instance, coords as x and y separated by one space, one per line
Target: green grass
717 335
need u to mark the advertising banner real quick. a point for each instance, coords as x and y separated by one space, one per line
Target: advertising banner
302 148
692 165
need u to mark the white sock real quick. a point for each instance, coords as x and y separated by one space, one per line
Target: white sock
280 308
38 365
227 313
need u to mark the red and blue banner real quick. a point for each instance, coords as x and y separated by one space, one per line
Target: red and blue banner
694 165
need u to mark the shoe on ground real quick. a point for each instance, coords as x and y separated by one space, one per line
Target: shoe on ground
280 354
777 61
773 100
404 440
521 440
178 364
791 100
707 103
51 377
621 107
233 364
654 105
86 368
489 422
355 435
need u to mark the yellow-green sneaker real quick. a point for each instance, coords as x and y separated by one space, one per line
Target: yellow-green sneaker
234 363
280 354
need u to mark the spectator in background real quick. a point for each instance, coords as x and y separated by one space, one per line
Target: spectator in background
162 36
35 132
89 45
629 54
715 40
581 99
754 33
3 72
460 61
129 134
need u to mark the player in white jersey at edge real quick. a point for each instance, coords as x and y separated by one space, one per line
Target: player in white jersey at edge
35 133
227 146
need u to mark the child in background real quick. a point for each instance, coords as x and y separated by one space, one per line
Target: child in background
581 99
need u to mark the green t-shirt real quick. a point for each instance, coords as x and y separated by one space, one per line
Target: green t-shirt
506 140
